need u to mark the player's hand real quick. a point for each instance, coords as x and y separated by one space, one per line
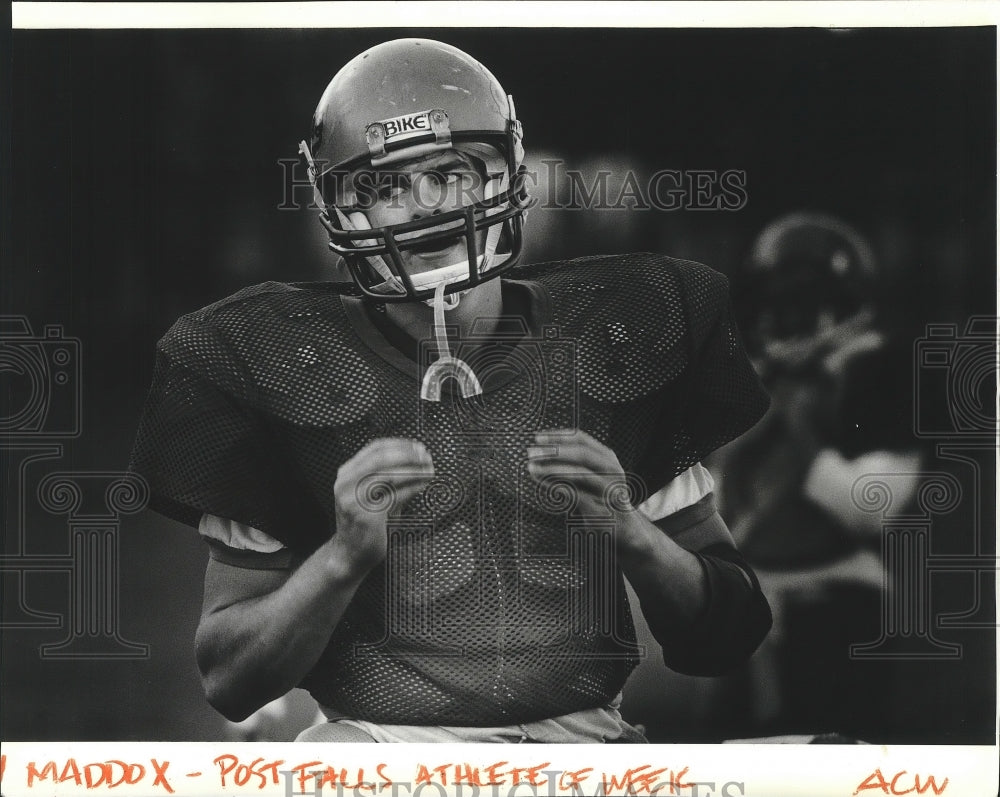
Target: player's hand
376 481
592 470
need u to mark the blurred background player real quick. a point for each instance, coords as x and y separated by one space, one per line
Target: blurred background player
811 302
424 483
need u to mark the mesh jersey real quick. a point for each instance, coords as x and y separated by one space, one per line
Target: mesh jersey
497 602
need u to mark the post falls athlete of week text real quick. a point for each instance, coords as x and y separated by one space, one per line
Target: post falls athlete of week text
424 482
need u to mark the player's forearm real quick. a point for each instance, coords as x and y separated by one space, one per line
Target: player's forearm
254 651
706 623
668 579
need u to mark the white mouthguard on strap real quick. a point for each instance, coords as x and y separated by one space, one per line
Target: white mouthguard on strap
446 366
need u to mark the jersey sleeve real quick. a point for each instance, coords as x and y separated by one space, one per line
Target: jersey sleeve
203 449
719 395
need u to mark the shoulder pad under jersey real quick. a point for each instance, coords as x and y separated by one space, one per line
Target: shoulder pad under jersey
637 319
283 349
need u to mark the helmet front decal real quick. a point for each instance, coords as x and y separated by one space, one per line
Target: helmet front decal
417 133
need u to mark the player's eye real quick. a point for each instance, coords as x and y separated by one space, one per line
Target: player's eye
441 179
455 179
391 186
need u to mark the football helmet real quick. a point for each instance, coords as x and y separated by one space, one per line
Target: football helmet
404 100
806 289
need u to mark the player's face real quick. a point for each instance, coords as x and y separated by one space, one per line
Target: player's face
420 189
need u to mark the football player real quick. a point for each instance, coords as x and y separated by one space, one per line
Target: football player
423 482
809 296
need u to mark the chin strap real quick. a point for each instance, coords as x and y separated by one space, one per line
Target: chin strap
493 234
446 366
357 222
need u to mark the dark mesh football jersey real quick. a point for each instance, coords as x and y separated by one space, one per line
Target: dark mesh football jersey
498 601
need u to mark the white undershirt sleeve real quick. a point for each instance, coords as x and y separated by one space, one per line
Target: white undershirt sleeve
237 535
686 489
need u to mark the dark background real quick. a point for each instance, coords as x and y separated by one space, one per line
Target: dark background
141 181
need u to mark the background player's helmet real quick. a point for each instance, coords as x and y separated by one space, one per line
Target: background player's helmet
809 283
401 100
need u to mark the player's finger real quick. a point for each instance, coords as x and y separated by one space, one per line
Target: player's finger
404 446
575 437
398 449
607 497
377 493
351 480
587 491
385 454
394 478
575 454
399 478
563 435
581 478
405 494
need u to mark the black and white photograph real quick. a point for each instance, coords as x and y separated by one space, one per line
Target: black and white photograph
497 383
